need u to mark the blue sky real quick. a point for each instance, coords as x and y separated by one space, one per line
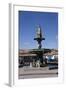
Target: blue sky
28 22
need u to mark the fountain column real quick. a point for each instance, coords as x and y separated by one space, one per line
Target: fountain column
39 39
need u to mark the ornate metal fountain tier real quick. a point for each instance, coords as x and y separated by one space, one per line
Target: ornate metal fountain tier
39 37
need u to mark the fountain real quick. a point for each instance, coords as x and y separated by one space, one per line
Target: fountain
39 51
